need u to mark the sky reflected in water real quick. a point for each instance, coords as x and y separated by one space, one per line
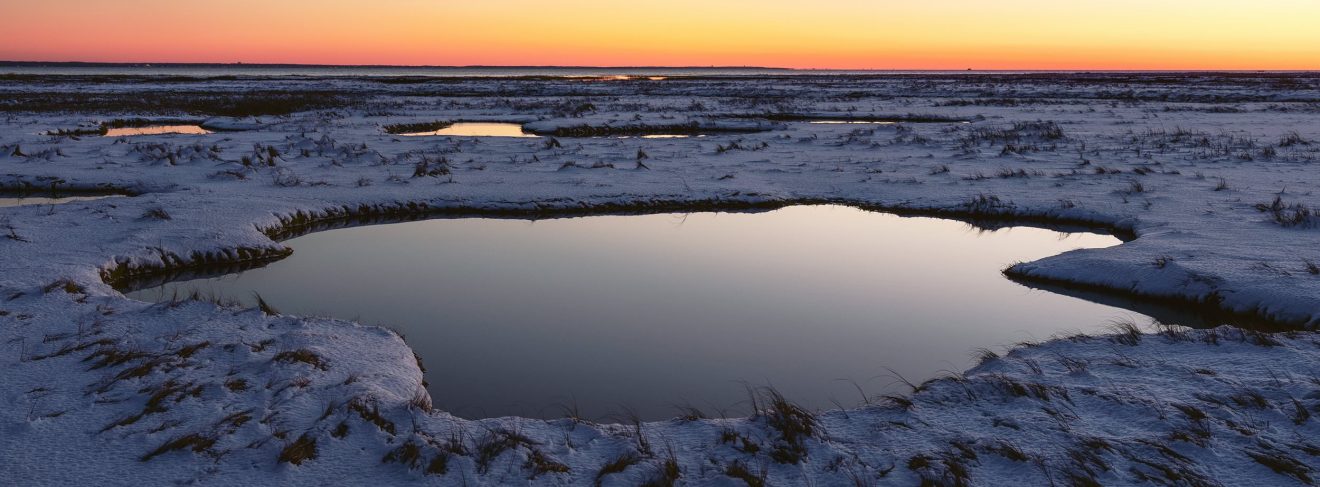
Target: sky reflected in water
478 129
156 130
516 317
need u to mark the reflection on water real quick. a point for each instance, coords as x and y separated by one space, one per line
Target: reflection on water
616 77
6 201
478 129
156 130
516 317
851 122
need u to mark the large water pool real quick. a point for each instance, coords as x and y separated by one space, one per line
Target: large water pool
518 317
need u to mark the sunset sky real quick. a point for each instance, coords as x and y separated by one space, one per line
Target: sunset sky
843 34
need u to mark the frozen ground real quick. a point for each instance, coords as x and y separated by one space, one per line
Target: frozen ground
1214 174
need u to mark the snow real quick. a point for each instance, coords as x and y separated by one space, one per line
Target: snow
91 383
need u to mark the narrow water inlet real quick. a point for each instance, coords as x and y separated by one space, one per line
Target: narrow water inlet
515 317
851 122
9 201
156 130
476 129
505 129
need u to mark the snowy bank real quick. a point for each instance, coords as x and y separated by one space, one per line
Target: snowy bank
1213 175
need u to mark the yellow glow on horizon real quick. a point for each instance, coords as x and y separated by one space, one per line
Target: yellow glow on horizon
843 34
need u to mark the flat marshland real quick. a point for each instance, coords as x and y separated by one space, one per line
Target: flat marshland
1208 178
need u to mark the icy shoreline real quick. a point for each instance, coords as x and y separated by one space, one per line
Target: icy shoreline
191 391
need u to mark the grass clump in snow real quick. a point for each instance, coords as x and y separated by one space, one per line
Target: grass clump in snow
793 423
369 411
1125 332
539 464
618 465
1016 134
1282 463
1294 215
739 470
195 442
496 443
65 285
265 307
434 168
1291 139
409 454
301 450
301 355
157 213
948 470
667 473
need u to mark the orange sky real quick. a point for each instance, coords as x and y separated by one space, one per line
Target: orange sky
845 34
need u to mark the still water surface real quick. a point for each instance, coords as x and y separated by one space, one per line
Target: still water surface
477 129
12 201
156 130
516 317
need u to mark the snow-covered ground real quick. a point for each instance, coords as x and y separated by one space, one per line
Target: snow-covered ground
1213 174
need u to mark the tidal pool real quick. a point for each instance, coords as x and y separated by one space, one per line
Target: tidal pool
156 130
851 122
478 129
11 201
517 317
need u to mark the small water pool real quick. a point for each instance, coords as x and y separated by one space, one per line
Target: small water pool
12 201
654 136
851 122
156 130
515 317
477 129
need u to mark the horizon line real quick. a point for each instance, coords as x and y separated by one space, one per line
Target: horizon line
8 63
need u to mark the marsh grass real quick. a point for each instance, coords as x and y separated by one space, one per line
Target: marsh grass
667 472
368 409
1017 134
1295 215
156 213
984 356
496 442
1125 332
793 424
264 306
1293 139
302 355
739 470
299 451
196 442
539 463
432 167
245 104
11 231
66 285
618 465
